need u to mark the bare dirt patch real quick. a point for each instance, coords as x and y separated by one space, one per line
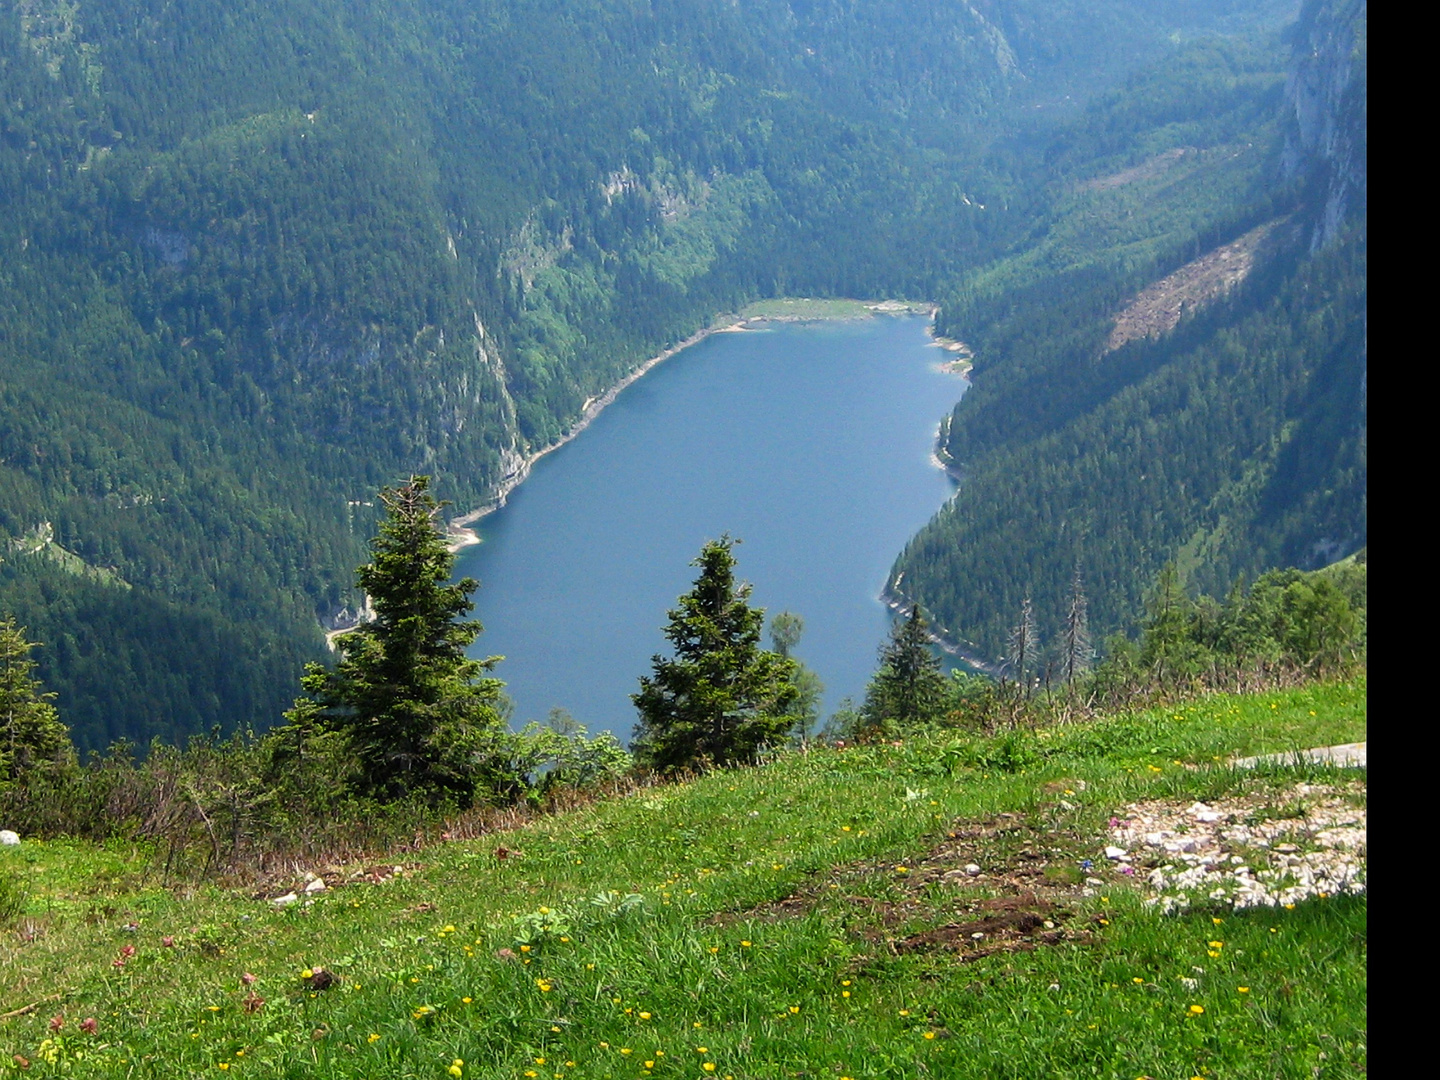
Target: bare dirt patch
1005 924
1002 884
1159 308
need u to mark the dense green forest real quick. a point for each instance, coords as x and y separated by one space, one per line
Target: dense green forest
1229 438
263 259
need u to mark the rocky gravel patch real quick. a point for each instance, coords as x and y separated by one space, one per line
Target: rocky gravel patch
1254 850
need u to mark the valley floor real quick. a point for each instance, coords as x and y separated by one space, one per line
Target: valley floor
949 907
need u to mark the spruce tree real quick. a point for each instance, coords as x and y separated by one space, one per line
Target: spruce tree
721 697
419 716
31 733
909 688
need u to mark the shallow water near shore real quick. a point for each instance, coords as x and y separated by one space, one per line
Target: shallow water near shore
810 443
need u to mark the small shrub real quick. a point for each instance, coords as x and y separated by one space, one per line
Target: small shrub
1012 752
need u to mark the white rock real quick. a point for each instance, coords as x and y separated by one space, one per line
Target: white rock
282 901
972 869
1114 852
9 838
318 885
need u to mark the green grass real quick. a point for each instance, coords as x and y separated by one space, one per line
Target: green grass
707 957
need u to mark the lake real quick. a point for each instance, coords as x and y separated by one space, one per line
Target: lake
808 442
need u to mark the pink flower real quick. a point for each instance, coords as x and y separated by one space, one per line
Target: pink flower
57 1022
247 979
88 1025
128 951
168 941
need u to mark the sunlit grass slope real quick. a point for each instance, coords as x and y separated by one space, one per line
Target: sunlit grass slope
748 924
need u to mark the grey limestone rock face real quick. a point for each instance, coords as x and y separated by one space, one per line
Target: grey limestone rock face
1326 94
9 838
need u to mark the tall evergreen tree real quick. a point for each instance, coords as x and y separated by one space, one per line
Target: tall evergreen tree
31 733
420 716
721 697
908 689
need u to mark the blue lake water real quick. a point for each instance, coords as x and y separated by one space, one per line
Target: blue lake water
810 443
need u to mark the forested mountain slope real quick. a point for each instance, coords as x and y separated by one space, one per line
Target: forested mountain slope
1172 365
262 257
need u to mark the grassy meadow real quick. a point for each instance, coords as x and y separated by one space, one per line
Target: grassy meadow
806 918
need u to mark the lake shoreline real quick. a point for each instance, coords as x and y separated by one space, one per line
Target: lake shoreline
458 530
460 535
901 604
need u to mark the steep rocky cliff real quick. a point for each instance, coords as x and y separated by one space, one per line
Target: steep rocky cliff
1326 96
